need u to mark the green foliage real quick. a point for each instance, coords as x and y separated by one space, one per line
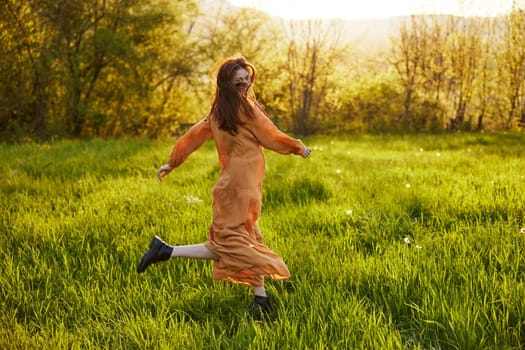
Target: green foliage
466 68
393 242
142 68
511 58
86 68
375 105
370 105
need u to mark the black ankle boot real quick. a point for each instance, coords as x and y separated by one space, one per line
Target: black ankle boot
261 306
158 251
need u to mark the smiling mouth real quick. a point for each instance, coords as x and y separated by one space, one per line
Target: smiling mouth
243 87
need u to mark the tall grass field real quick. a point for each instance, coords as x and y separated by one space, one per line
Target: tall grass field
393 242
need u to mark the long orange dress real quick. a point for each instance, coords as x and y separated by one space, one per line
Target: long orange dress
237 195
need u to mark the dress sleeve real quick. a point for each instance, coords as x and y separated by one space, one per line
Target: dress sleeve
270 137
189 142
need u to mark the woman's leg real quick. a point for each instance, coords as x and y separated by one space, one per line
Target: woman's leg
259 291
194 251
261 303
162 251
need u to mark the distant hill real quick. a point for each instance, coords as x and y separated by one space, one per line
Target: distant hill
365 34
360 29
371 34
368 36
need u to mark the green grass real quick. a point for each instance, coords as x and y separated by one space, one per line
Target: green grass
75 217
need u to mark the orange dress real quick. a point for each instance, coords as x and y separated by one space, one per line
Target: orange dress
237 195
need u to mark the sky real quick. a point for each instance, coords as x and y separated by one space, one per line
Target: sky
366 9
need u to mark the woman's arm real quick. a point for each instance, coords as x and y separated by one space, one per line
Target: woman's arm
185 145
274 139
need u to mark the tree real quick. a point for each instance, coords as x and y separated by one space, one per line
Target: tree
236 31
434 56
95 67
512 62
25 70
485 91
463 53
408 51
312 55
441 62
120 37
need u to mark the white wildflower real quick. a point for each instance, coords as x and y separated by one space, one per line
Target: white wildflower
438 154
192 200
421 150
522 230
407 240
418 246
338 171
349 212
407 185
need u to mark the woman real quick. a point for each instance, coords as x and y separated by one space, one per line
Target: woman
240 128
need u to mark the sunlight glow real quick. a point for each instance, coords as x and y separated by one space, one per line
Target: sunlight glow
367 9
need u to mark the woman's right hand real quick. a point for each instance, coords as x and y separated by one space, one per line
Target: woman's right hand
163 171
306 152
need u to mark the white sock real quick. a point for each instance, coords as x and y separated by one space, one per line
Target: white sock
259 291
195 251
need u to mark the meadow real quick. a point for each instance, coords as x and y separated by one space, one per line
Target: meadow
393 242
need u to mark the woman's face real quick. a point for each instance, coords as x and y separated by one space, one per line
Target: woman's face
242 81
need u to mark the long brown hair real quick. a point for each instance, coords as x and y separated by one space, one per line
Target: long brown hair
227 100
